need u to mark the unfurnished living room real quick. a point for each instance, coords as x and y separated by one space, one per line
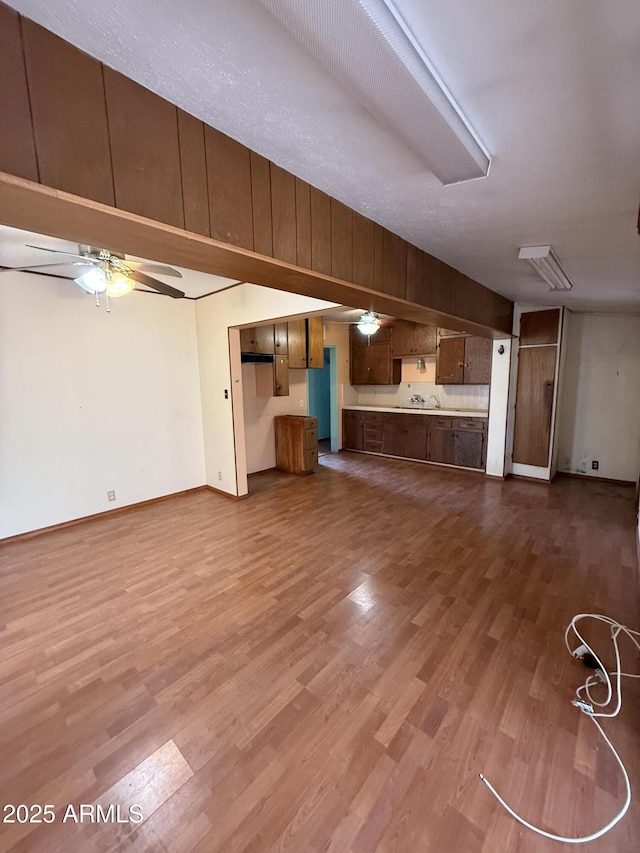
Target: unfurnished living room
320 426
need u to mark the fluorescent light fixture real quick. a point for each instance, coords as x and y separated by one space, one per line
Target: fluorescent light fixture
545 262
370 49
93 280
369 323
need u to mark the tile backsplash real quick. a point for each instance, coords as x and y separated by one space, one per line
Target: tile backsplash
450 396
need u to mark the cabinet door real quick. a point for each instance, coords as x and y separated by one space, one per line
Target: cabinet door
353 434
477 361
359 365
441 445
264 339
468 448
281 376
315 342
450 361
425 339
281 338
393 440
416 437
248 340
403 338
297 336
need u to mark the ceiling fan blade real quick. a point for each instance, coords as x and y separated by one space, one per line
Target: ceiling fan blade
157 269
87 258
40 266
160 286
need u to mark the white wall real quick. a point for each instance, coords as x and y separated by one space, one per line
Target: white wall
92 401
601 402
498 408
242 305
259 412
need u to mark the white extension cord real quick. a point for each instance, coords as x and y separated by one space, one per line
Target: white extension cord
585 702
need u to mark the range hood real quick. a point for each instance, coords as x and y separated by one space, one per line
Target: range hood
256 358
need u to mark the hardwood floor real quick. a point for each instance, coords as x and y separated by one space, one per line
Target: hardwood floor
326 666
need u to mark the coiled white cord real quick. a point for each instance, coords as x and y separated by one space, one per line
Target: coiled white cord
587 706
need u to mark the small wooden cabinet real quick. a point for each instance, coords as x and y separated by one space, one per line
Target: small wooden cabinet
458 441
371 359
258 339
306 343
296 443
464 361
412 339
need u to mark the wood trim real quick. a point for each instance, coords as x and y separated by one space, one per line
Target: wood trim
118 510
209 488
33 207
576 476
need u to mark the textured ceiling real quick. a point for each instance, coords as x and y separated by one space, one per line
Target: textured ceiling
551 88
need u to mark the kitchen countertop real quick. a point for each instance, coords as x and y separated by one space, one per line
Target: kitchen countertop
422 410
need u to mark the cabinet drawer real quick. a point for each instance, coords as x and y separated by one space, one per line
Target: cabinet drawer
311 459
476 424
310 437
372 417
444 423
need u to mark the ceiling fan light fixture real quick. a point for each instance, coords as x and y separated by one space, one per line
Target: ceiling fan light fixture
119 285
93 281
369 323
547 264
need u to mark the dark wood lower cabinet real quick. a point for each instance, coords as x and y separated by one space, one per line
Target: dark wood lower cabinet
447 440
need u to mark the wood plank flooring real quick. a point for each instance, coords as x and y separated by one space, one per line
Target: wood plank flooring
326 666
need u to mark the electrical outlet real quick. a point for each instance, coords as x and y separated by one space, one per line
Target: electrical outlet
219 475
595 465
111 495
302 404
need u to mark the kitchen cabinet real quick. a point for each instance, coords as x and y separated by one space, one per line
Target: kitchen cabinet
457 441
405 435
272 380
371 358
281 338
447 440
296 443
412 339
258 339
353 430
306 343
464 361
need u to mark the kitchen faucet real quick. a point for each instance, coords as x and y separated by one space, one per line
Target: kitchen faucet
437 399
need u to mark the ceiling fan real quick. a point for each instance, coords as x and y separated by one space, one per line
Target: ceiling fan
101 271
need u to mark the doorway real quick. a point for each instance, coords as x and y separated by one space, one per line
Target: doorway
322 392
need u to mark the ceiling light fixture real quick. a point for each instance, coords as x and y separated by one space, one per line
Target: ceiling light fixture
94 281
369 323
370 49
119 285
546 263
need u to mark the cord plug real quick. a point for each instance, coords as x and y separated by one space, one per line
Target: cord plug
585 707
580 652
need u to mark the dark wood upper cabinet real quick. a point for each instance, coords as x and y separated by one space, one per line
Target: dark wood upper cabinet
464 361
412 339
477 361
17 149
371 359
450 364
265 339
539 327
